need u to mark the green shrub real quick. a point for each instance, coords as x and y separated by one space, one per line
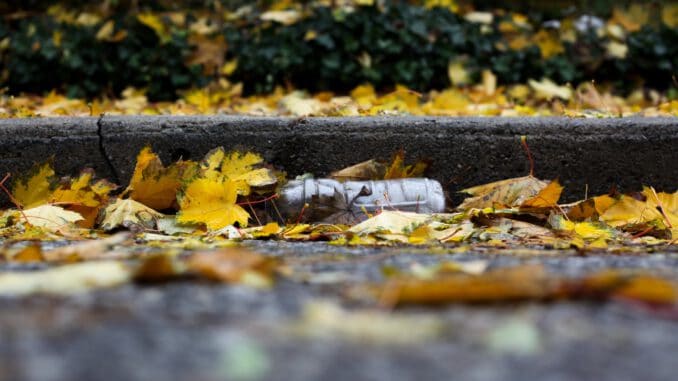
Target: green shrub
330 49
82 66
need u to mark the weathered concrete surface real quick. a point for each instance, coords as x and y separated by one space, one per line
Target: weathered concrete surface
201 331
72 142
600 153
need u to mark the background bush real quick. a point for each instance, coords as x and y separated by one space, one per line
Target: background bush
329 49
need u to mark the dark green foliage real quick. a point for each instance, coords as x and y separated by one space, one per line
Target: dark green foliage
82 66
329 50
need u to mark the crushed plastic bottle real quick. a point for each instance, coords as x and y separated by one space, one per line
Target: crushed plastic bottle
351 201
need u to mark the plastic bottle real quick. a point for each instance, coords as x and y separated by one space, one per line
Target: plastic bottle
327 199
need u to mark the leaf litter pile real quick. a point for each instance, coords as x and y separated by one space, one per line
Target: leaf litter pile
187 220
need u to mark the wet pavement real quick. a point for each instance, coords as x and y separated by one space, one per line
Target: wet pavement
305 328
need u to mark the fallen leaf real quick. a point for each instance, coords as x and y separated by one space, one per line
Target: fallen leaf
159 268
209 52
549 43
129 214
457 73
546 198
238 167
366 170
234 265
65 280
83 195
324 319
50 217
154 22
506 284
506 193
28 254
155 185
547 89
86 250
212 202
285 17
398 169
35 188
583 233
658 208
391 222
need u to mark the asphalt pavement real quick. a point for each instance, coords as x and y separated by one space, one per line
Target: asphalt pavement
305 328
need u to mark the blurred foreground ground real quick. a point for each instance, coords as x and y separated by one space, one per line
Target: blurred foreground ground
305 329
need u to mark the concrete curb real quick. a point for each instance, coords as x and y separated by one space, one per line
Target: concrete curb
600 153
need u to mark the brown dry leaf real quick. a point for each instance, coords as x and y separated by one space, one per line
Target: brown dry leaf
87 250
509 284
526 282
129 214
649 289
28 254
51 217
234 265
391 222
159 268
628 284
155 185
590 208
505 193
209 52
367 170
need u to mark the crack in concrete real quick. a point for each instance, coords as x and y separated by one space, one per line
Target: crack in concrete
104 153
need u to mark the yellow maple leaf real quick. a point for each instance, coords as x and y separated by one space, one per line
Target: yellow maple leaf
448 102
583 234
212 202
401 100
364 95
661 208
82 196
155 185
549 43
398 169
36 188
632 18
238 167
546 198
504 193
154 22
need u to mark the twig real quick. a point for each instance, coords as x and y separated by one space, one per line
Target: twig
523 142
